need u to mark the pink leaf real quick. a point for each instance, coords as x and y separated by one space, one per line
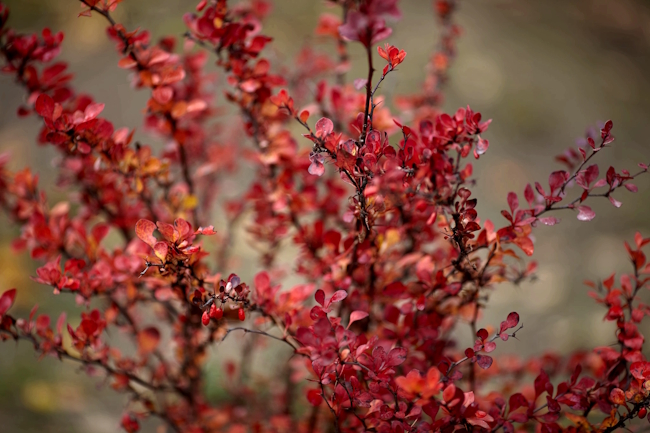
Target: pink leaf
549 221
7 300
557 179
529 195
262 281
324 127
489 346
92 111
357 315
481 147
585 213
359 83
316 168
338 296
513 202
631 187
600 183
60 322
615 202
163 94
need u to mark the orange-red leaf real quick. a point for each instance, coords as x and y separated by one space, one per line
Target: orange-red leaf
148 340
161 249
144 230
617 396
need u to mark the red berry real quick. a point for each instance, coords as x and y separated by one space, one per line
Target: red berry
205 318
216 313
642 412
242 314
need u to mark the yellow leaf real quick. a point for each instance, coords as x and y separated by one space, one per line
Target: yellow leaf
578 420
139 186
39 397
190 202
391 238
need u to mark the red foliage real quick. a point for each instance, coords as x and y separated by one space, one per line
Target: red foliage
392 250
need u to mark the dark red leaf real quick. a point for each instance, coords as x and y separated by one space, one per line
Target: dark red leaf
484 361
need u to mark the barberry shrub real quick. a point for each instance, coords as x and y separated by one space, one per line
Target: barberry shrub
393 256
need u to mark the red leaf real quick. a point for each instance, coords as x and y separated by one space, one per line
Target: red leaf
100 231
357 315
207 231
395 288
520 417
129 423
88 326
7 300
314 397
608 127
317 312
516 401
542 384
396 356
44 106
512 320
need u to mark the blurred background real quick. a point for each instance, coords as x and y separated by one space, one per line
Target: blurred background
544 71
